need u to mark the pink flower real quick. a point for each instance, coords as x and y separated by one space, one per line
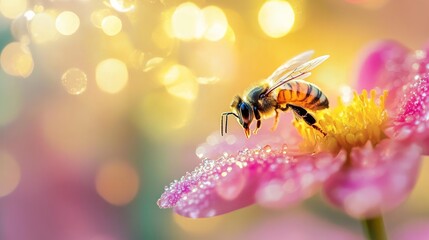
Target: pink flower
405 74
365 165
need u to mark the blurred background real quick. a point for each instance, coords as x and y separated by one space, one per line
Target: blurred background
103 103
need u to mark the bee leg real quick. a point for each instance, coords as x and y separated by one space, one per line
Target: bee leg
276 118
258 120
307 117
276 121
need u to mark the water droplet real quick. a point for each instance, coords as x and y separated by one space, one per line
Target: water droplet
267 149
409 119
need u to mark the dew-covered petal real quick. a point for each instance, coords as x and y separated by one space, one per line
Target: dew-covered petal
375 179
412 119
384 65
273 177
235 140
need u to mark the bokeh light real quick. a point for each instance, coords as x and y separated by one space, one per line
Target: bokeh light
123 5
12 8
188 22
111 75
16 60
74 81
181 82
276 18
67 23
29 15
42 28
216 23
111 25
117 182
10 174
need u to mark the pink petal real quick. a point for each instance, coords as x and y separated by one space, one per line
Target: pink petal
376 179
384 65
412 121
272 177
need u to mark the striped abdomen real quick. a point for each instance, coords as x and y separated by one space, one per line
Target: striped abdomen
303 94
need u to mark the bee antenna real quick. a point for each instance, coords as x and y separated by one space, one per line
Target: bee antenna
226 122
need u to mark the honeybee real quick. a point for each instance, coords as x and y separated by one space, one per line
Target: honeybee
285 89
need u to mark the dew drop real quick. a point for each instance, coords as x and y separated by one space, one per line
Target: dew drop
409 119
267 149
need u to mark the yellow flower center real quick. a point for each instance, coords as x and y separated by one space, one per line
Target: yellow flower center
347 125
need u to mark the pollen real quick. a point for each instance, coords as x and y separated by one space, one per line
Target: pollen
348 125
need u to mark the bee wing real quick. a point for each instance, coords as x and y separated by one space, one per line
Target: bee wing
310 65
290 65
302 71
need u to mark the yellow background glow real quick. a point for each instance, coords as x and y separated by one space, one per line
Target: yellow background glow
103 103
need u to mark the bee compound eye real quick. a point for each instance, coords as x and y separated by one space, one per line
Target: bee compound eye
244 110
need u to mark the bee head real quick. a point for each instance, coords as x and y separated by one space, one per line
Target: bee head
244 112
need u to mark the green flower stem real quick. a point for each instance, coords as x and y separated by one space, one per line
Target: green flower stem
374 228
